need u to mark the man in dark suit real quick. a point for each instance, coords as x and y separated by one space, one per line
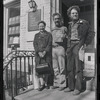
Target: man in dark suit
79 34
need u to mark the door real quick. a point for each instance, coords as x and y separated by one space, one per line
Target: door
86 12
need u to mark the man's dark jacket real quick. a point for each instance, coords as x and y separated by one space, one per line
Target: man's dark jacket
85 33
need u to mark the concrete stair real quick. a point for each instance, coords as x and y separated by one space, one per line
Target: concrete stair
88 93
54 94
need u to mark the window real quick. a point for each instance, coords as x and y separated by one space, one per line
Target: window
14 26
89 58
87 8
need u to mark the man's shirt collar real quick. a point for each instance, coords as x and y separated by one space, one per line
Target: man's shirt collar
78 22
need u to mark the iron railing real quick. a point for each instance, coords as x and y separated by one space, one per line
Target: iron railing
18 71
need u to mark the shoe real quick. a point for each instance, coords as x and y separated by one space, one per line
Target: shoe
41 87
68 90
47 87
54 87
61 88
76 92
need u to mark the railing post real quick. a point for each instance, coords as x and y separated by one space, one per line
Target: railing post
7 77
25 71
32 69
12 90
20 73
15 75
4 97
28 72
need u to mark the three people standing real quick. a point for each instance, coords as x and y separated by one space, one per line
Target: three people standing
78 34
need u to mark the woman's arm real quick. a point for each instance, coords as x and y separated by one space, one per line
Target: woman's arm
35 44
49 44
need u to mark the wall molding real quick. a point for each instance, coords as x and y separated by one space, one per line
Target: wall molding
12 3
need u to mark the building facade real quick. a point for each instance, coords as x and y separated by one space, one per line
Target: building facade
18 19
20 23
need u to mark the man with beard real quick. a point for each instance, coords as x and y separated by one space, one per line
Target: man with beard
59 33
79 34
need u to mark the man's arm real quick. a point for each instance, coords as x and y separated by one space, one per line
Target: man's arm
68 36
35 44
89 36
65 40
49 45
66 32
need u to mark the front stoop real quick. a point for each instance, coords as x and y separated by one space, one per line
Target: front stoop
54 94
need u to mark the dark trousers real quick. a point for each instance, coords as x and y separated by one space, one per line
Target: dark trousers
74 67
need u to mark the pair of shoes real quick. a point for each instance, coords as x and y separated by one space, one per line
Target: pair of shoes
68 90
61 88
41 87
76 92
54 87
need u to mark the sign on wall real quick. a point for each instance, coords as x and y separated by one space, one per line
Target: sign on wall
33 19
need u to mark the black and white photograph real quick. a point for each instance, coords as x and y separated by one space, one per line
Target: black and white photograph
49 49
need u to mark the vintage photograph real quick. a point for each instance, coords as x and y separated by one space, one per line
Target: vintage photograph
50 49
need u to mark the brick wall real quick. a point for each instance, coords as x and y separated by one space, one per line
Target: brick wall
46 14
26 36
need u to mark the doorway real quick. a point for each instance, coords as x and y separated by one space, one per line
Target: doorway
86 12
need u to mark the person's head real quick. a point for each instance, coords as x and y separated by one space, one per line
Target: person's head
57 18
73 13
42 26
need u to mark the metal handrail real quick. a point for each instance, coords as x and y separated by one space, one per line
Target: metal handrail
13 54
8 58
18 66
8 55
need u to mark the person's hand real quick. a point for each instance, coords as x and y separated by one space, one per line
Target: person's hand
68 50
84 47
40 54
75 76
44 52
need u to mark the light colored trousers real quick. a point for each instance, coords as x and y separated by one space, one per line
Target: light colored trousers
58 54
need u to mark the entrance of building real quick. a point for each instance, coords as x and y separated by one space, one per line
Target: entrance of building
86 11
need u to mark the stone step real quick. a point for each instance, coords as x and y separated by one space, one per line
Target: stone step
54 94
